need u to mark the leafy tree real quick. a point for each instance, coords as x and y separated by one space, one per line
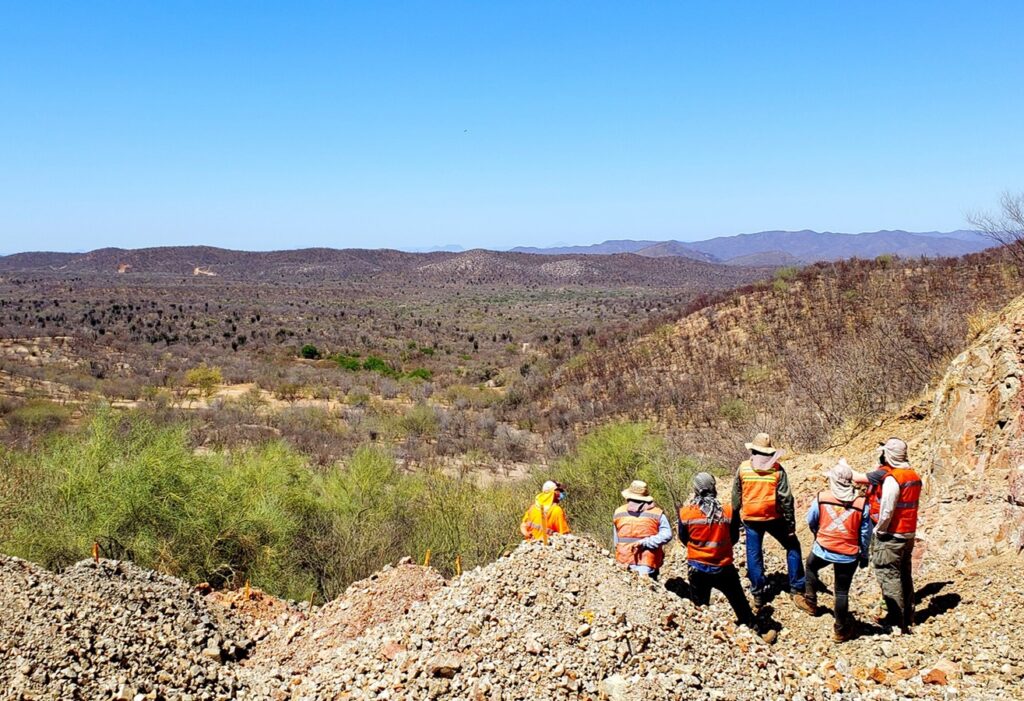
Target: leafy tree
204 378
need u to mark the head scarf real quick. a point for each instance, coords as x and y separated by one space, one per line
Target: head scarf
840 481
705 496
894 451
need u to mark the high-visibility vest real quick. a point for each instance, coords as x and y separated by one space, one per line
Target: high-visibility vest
839 524
632 528
904 516
874 495
708 543
537 519
758 489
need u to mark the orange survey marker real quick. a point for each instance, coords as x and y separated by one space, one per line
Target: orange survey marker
247 590
426 559
96 553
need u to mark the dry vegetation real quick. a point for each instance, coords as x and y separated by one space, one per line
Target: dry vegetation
814 355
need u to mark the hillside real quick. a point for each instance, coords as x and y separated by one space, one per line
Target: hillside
815 355
475 267
799 246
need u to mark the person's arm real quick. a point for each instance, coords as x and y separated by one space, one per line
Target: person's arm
737 495
813 516
887 503
784 500
664 535
524 526
865 534
558 522
734 528
684 533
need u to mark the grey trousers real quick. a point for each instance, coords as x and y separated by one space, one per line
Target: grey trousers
891 558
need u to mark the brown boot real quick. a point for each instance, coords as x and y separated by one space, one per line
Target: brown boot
806 604
842 632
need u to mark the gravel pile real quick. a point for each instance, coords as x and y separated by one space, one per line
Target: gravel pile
112 631
380 598
556 622
966 642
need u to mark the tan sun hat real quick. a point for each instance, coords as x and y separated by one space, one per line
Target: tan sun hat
637 491
762 444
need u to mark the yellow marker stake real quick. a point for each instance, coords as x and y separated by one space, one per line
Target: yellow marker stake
96 553
458 565
426 559
247 590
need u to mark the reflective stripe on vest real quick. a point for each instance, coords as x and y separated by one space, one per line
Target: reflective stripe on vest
708 543
534 524
758 493
839 524
633 528
904 515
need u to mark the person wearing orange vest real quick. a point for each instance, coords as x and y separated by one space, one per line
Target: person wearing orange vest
894 494
762 497
839 519
545 514
709 531
641 531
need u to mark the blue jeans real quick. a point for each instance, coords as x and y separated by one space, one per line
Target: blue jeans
755 531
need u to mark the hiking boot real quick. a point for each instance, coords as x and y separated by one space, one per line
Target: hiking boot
759 604
805 604
770 636
843 632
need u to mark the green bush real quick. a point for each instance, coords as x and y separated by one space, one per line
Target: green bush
309 352
265 515
606 461
379 365
348 362
420 374
38 416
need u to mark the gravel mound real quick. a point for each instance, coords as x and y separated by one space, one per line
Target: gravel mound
380 598
556 622
112 630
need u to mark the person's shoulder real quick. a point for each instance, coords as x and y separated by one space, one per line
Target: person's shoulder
878 476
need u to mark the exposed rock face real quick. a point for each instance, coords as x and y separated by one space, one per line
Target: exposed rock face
973 446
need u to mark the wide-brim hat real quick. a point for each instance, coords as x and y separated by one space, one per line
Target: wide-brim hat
637 491
762 444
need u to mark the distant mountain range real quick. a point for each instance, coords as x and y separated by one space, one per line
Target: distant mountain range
789 247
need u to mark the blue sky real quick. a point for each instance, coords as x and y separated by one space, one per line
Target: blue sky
265 125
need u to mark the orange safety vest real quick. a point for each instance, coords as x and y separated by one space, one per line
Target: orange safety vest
904 516
708 543
758 489
839 524
632 528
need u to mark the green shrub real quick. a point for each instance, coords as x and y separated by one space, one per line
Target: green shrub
379 365
348 362
420 420
309 352
605 462
38 416
420 374
734 410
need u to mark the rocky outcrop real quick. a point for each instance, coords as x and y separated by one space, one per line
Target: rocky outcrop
974 445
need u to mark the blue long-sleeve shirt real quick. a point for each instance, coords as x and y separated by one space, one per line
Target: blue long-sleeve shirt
814 516
658 540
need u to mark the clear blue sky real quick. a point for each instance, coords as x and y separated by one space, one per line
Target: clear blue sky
260 125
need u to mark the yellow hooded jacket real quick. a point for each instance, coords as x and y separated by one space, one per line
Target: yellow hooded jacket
544 513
